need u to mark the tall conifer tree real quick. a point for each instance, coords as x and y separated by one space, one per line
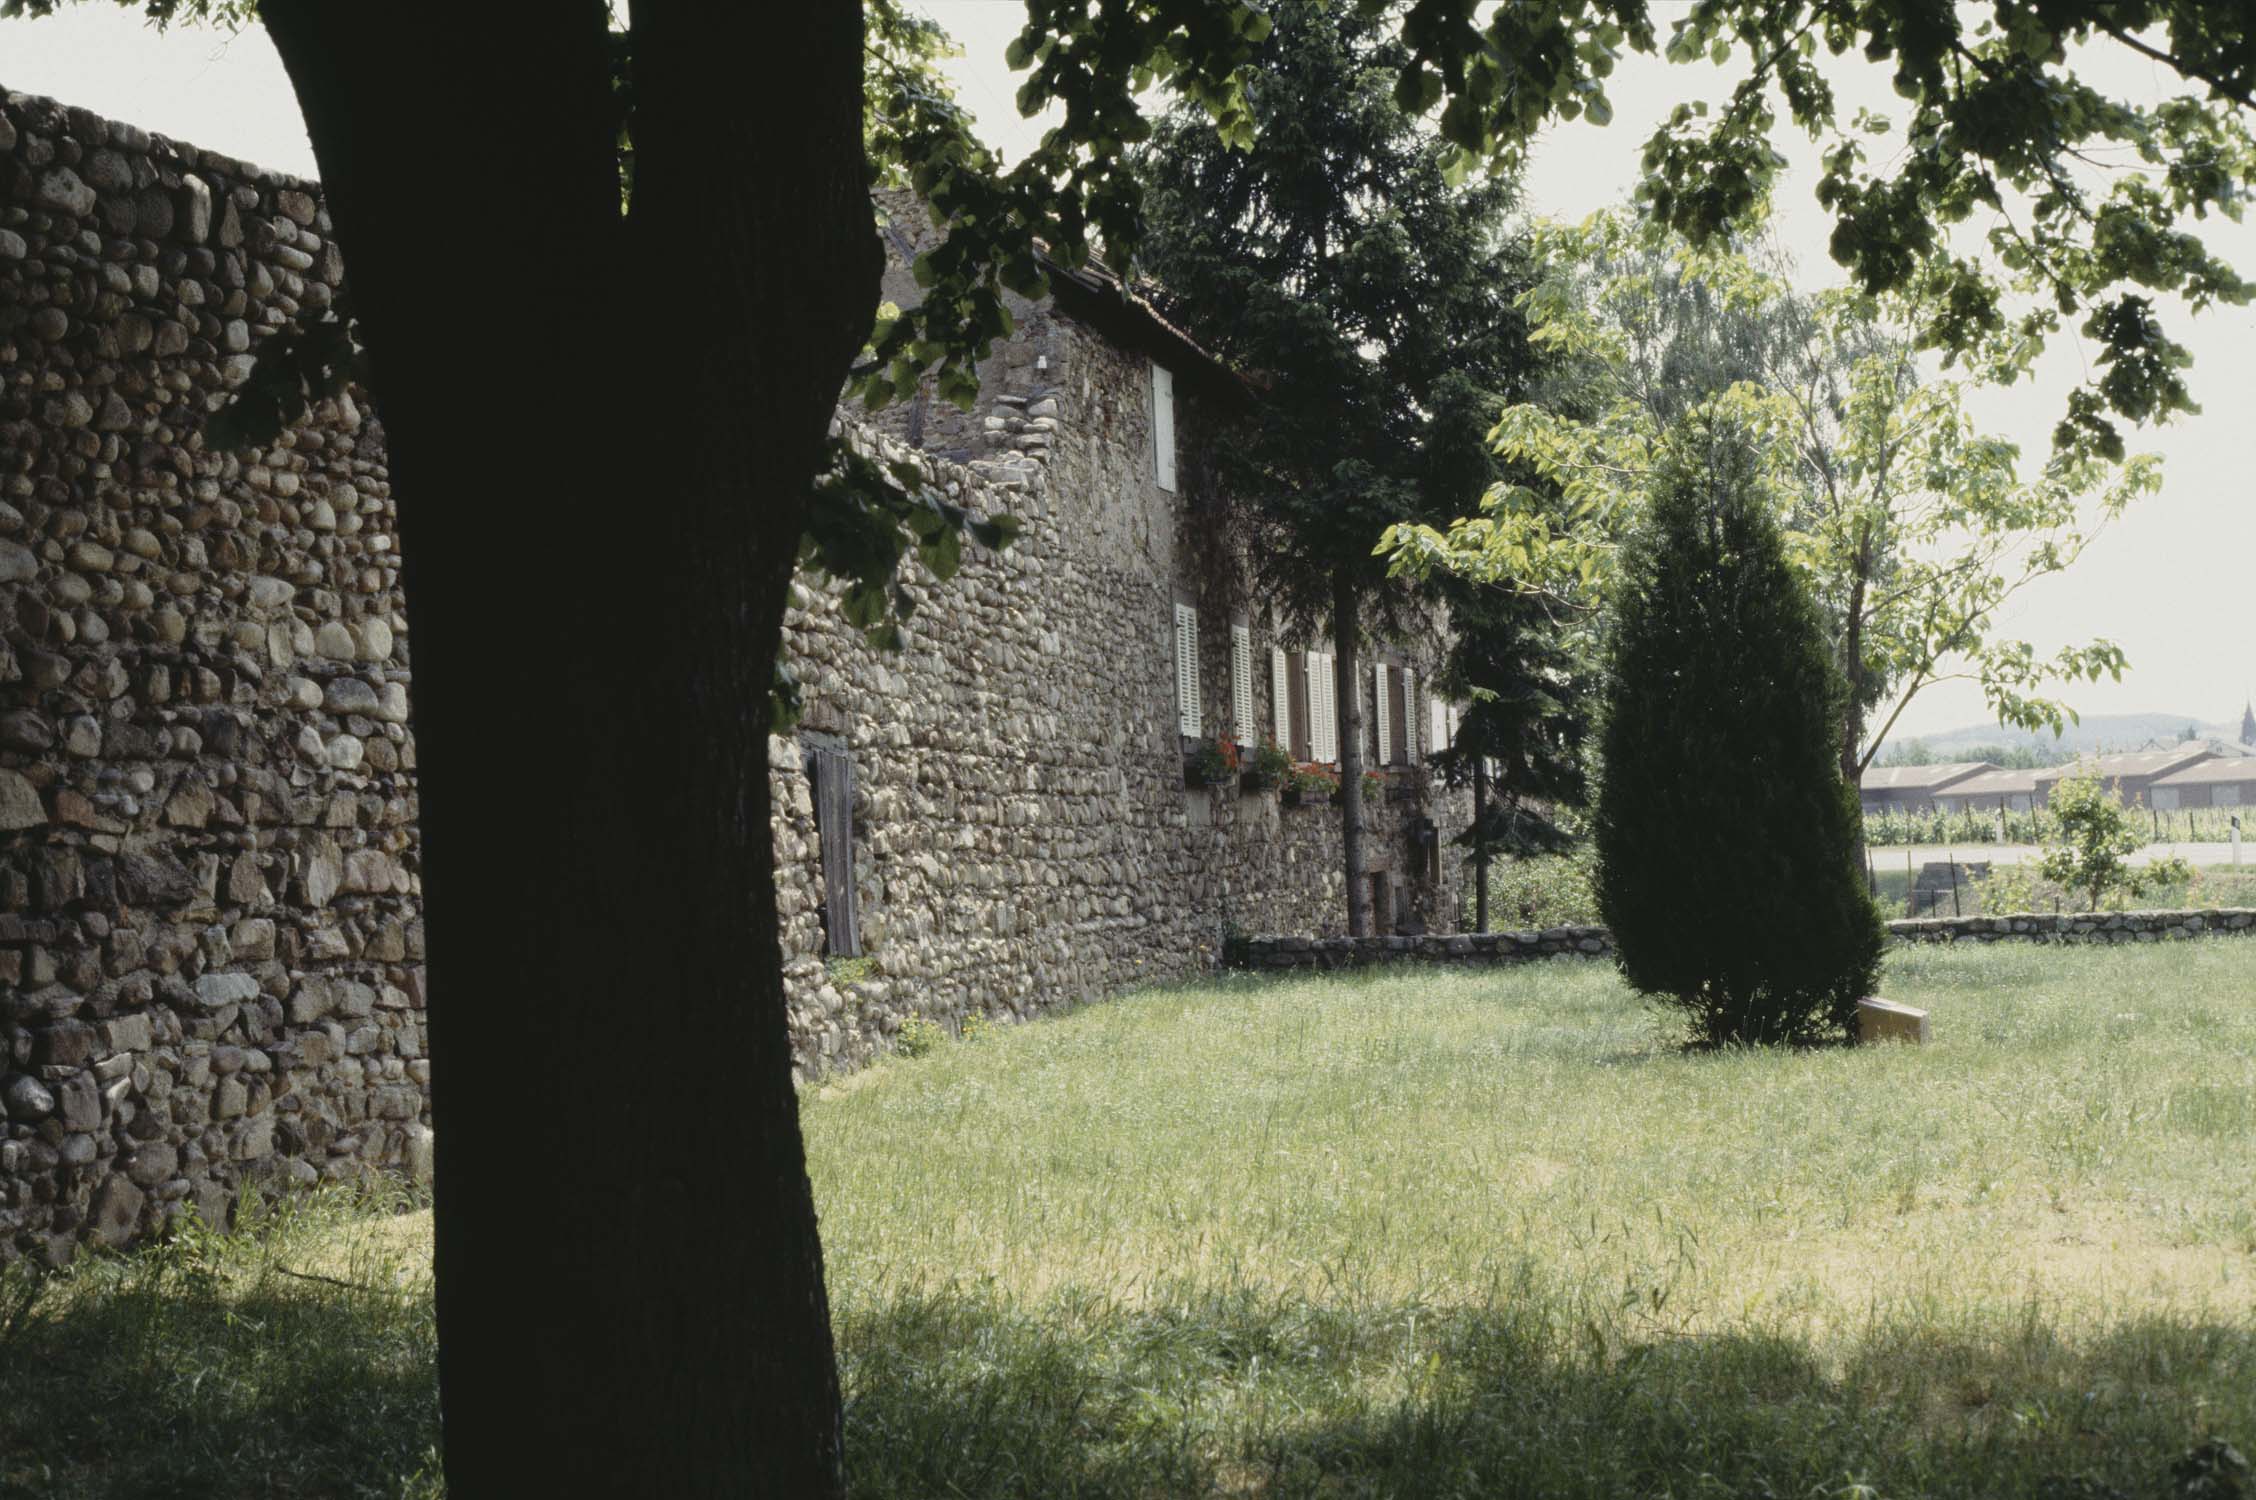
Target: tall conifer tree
1372 299
1727 866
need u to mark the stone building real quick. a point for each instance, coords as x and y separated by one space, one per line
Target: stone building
1010 827
211 940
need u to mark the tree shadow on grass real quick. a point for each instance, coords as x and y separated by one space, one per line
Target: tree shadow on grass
160 1375
956 1394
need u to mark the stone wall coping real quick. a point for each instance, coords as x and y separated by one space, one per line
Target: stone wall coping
94 131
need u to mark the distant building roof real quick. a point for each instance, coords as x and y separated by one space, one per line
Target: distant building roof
2211 772
2145 763
1998 783
1919 778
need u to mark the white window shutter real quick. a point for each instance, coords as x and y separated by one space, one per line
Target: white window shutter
1163 425
1410 715
1241 684
1437 720
1186 670
1383 718
1280 697
1323 708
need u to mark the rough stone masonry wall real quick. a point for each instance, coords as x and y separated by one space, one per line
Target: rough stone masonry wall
1022 835
1299 952
210 941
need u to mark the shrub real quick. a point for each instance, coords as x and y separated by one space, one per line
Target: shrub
1267 766
1213 763
2093 833
919 1035
1726 837
1544 890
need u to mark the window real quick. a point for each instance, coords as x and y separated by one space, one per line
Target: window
1241 684
1280 699
831 770
1323 708
1394 727
1437 725
1186 671
2224 796
2165 799
1163 426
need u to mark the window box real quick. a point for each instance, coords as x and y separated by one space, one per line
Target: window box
1213 763
1264 769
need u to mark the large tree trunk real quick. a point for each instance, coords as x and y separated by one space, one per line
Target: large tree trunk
601 441
1348 685
1480 843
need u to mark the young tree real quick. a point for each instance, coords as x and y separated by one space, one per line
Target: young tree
667 1333
1911 529
1726 840
1522 668
1371 297
2091 833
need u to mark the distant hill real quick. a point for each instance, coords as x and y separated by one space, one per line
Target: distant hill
2097 732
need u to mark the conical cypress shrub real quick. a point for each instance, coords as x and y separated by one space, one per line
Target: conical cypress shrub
1726 838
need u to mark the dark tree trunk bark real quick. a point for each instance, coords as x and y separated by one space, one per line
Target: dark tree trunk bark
1347 685
602 436
1852 714
1480 843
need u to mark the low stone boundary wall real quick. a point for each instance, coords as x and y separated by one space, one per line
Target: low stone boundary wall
1288 952
1455 947
2076 927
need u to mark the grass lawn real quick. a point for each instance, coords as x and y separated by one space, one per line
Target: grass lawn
1413 1233
1429 1233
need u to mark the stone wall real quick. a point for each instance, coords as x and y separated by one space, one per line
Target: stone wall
210 933
1022 834
210 941
2077 927
1332 952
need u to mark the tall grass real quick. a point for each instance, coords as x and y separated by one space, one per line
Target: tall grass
294 1358
1399 1234
1432 1233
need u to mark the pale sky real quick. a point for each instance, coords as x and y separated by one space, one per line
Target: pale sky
2169 582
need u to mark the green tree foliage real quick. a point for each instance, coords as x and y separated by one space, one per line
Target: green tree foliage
1370 297
2089 834
1523 668
1916 752
1726 839
1998 132
1911 528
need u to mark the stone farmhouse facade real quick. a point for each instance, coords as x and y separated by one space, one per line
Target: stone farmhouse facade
1008 822
211 930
